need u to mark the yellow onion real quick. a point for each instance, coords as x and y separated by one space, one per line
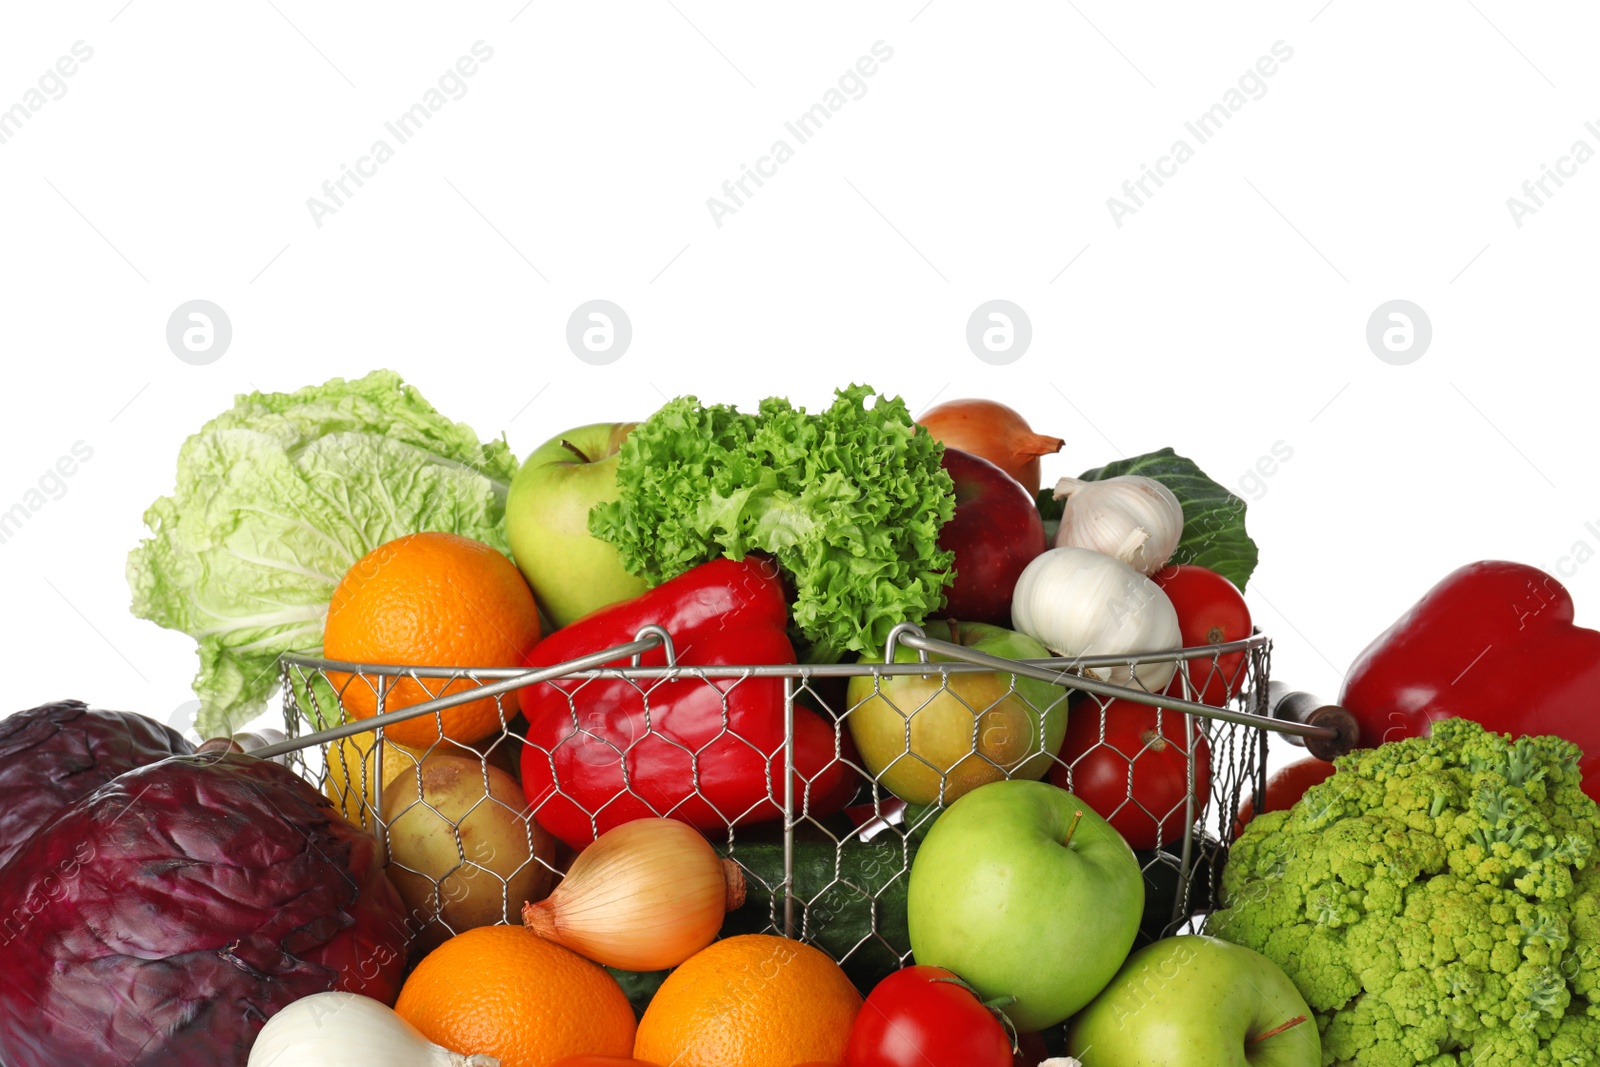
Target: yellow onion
645 896
993 432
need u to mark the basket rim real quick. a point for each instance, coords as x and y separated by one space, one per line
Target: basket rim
1258 639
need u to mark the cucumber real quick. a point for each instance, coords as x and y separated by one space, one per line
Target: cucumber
1161 886
849 900
639 987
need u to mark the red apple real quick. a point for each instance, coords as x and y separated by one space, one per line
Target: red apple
995 532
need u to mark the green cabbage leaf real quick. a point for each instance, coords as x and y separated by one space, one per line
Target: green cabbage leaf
276 498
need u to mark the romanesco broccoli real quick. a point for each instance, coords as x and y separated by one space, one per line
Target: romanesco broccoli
1436 901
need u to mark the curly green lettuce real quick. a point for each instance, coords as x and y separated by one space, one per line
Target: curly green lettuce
849 501
1436 901
276 498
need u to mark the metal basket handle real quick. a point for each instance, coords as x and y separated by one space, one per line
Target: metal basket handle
1287 705
648 638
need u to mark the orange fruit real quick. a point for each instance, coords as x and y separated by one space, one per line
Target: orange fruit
751 1001
503 991
430 600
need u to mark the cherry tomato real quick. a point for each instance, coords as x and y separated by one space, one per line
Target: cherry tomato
1137 777
1210 610
1286 785
924 1017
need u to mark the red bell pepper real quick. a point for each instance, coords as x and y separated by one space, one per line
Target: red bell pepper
1493 642
707 752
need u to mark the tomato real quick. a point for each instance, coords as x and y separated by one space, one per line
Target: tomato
1210 610
1137 777
1286 785
924 1017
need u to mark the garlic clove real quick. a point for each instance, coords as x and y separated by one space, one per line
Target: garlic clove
1130 517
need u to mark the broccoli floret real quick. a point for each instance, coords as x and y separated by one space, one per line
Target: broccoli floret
1497 818
1521 763
1436 901
1581 964
1574 1043
1544 933
1369 1033
1541 997
1319 954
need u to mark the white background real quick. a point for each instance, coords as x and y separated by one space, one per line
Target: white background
1224 316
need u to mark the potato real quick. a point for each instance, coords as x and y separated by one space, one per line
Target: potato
347 780
465 837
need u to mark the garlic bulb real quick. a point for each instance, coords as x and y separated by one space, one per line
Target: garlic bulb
1082 603
644 896
1138 520
346 1030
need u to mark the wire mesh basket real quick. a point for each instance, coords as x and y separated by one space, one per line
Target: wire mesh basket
843 768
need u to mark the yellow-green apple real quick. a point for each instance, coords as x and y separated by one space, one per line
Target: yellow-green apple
572 572
918 731
1191 1000
1025 892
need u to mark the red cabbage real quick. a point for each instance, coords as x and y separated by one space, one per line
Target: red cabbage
53 754
161 920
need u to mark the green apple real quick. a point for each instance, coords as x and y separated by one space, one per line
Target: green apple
571 571
918 732
1191 1001
1023 891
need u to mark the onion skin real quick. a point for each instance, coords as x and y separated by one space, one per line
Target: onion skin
645 896
994 432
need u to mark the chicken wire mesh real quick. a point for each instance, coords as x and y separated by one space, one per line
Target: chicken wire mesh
820 781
